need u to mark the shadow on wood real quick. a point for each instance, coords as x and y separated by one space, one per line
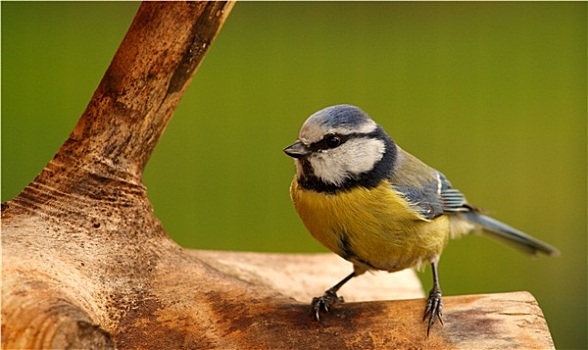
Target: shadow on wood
86 264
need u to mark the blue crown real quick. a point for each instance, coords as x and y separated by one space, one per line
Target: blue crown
347 116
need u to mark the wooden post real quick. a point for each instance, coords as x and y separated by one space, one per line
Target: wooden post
86 264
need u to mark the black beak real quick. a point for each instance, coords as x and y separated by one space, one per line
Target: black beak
296 150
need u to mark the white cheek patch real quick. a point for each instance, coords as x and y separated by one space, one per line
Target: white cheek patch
347 161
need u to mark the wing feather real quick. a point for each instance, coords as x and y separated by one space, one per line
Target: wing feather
427 190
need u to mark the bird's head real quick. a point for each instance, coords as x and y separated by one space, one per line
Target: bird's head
340 147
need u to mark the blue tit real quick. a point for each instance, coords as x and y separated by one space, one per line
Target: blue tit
379 207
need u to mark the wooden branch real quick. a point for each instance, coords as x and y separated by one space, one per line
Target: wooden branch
304 276
86 264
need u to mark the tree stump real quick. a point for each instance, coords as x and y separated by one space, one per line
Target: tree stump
86 264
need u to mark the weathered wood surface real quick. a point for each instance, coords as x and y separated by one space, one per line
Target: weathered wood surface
86 264
487 321
304 276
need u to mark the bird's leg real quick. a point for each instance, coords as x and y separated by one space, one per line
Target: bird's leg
329 298
434 304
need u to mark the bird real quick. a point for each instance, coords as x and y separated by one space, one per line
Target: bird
379 207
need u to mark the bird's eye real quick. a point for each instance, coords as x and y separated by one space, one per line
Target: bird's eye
333 141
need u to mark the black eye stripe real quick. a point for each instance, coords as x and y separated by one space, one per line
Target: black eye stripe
325 144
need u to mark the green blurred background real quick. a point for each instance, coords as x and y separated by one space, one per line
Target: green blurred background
492 94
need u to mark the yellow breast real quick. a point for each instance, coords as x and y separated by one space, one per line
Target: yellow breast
374 228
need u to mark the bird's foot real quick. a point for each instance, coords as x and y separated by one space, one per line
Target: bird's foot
324 302
434 307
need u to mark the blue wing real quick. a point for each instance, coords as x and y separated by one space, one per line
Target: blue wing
430 194
426 190
433 197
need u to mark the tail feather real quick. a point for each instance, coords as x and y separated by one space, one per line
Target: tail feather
511 235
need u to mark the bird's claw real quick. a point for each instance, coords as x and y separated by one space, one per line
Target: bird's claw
434 308
324 302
